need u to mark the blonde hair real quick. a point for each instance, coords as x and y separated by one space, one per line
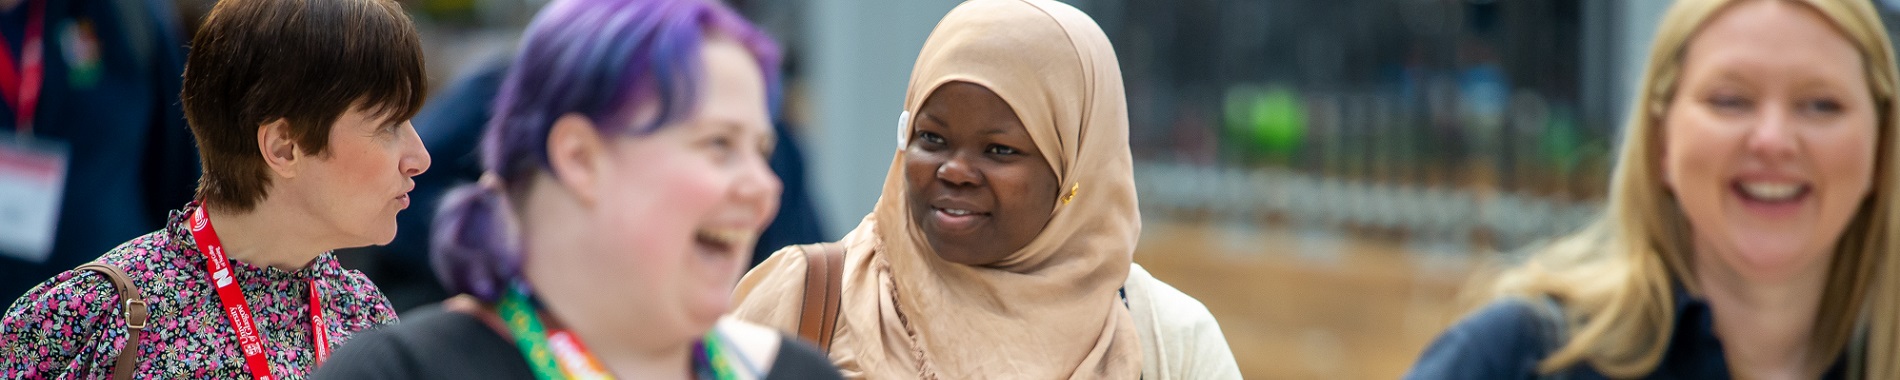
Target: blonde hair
1615 278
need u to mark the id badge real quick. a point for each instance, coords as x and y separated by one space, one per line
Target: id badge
32 179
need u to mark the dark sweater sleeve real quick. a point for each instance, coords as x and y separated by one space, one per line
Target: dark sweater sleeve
376 354
799 360
1504 340
430 343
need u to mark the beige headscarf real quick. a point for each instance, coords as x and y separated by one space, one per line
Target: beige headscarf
1049 310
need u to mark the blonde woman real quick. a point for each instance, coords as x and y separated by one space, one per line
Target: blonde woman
1747 223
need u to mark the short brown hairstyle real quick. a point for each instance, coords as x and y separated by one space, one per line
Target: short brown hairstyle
306 62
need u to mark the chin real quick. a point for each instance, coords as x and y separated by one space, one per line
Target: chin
1774 263
378 238
964 257
706 314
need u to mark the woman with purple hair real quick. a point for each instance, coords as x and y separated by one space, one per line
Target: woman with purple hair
625 186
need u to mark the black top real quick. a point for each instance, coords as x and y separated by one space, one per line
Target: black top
1508 338
432 343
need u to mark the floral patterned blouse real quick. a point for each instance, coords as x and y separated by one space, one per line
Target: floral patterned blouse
71 327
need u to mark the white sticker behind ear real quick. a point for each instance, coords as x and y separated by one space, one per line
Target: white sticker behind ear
903 124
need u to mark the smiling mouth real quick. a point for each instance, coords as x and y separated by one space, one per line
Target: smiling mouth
724 242
955 220
958 212
1771 191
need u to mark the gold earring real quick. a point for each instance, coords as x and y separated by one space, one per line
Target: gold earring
1071 195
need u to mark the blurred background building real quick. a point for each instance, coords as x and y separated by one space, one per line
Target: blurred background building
1327 176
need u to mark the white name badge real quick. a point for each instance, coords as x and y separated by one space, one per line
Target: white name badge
32 179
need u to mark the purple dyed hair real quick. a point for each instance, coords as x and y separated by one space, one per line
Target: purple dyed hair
604 59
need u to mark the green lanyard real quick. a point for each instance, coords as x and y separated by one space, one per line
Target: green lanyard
567 358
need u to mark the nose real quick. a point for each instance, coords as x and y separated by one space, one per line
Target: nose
1774 135
760 186
415 158
956 171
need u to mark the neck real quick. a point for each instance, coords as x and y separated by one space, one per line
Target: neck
553 225
1765 329
265 236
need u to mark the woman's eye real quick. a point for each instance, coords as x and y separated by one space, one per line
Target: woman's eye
1729 102
722 146
1003 150
766 149
1822 107
929 137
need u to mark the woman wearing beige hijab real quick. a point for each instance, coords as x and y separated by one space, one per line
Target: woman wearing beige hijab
1007 224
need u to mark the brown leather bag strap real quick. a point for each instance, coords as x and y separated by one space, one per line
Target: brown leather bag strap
136 314
824 283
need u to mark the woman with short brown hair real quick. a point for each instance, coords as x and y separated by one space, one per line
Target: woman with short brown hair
300 109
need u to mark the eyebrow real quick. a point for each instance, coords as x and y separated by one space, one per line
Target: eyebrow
932 118
1799 83
990 131
769 136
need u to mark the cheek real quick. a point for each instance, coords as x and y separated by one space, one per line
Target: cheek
1847 158
1691 152
1029 195
648 219
695 194
668 192
351 178
919 170
362 161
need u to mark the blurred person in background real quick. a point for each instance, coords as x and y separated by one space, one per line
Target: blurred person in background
625 183
94 149
1748 223
306 148
1003 241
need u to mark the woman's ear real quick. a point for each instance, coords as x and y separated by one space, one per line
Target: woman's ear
576 156
280 150
1659 144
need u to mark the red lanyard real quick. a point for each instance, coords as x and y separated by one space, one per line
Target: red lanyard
239 310
21 85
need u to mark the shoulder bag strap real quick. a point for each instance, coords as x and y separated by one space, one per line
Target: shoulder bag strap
824 281
135 315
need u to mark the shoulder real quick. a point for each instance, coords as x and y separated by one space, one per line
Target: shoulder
799 360
66 323
91 294
73 296
1179 335
430 343
1505 339
1176 311
772 293
778 355
432 328
786 264
357 299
